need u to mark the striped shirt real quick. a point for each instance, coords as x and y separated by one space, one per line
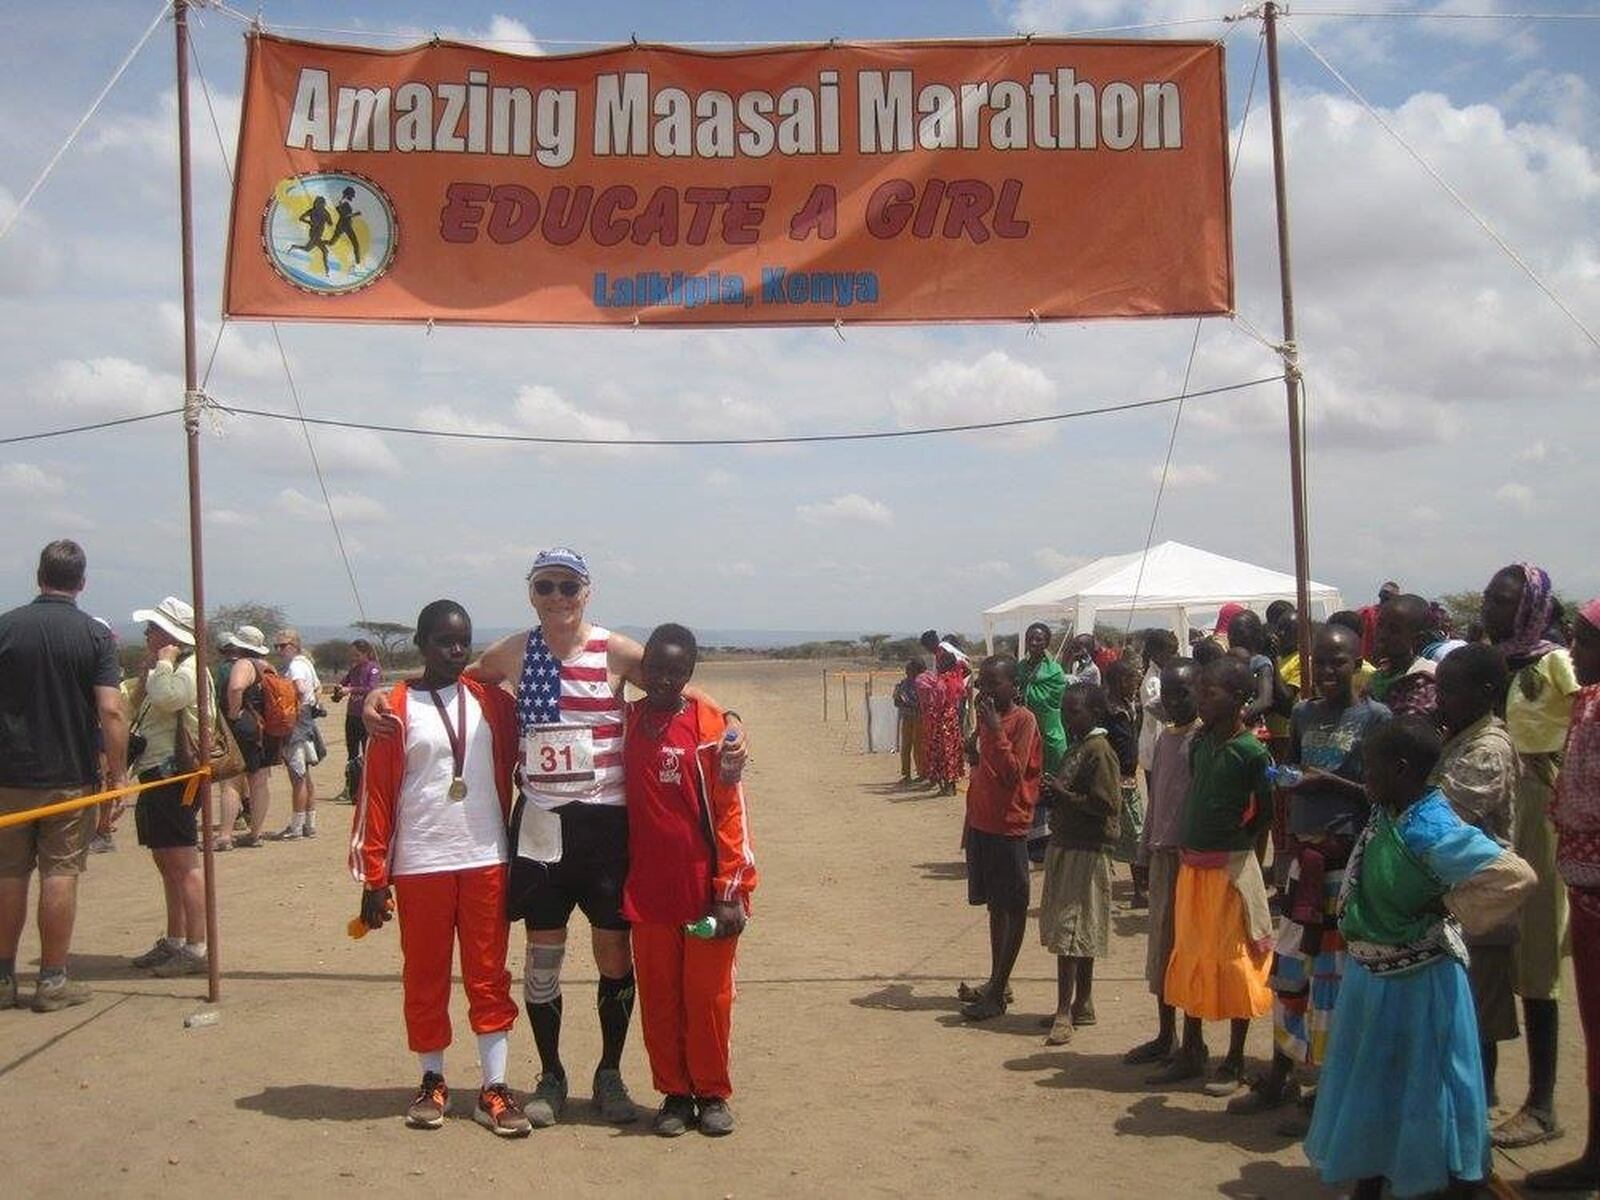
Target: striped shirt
571 725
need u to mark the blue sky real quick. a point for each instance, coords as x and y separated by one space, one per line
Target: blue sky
1451 405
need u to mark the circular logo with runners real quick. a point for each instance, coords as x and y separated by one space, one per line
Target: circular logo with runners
331 233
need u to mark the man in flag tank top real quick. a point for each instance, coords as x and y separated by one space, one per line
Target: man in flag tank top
569 829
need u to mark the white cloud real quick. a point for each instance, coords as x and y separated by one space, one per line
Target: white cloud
25 479
228 518
737 570
1057 563
995 387
151 138
1536 453
1518 495
1180 476
544 411
718 480
109 386
349 507
237 354
501 33
989 566
30 259
853 508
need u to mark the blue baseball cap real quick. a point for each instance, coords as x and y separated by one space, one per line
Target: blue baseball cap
563 557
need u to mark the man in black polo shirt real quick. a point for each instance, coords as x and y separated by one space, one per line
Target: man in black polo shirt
59 706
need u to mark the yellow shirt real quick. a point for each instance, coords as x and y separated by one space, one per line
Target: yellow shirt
157 700
1539 704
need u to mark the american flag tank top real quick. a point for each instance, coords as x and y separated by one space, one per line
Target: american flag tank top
571 724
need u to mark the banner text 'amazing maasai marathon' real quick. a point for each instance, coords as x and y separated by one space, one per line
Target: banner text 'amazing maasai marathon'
973 181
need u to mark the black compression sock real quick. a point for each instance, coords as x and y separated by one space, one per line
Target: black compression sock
546 1022
614 1002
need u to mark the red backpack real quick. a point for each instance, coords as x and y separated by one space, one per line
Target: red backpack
280 701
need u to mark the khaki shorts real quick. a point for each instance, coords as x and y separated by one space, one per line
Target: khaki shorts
57 845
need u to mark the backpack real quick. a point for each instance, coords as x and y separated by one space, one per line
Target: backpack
280 702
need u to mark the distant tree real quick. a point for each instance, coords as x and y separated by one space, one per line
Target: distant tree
331 656
269 618
130 656
874 643
391 636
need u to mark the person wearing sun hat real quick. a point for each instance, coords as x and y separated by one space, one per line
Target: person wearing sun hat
161 696
242 705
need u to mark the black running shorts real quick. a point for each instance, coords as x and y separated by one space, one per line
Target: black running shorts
590 875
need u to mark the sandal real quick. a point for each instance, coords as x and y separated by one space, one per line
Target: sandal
1156 1050
983 1009
1525 1127
1060 1031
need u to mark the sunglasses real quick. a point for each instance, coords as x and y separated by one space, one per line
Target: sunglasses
567 587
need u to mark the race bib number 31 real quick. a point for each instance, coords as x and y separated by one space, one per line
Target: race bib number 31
556 755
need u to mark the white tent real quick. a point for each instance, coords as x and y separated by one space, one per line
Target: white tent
1176 581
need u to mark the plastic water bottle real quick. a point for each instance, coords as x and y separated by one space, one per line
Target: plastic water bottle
705 927
1284 775
729 770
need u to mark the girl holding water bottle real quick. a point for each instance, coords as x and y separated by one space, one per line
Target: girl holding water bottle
690 875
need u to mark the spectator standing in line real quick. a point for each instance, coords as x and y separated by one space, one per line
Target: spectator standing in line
364 675
1404 680
1477 772
244 706
1081 666
299 749
1517 609
58 691
906 706
1040 685
163 700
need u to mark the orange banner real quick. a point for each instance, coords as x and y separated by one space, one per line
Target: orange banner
1016 180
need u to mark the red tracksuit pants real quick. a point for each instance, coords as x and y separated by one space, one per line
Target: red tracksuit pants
686 1001
435 911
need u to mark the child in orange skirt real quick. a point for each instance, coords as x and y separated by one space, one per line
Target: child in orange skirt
1222 945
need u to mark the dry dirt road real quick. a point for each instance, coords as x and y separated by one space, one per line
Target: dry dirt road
855 1076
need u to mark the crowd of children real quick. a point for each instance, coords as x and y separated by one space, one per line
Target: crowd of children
1377 848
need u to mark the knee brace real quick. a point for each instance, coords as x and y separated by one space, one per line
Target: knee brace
541 973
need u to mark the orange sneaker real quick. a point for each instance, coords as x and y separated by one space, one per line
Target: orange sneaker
497 1112
427 1108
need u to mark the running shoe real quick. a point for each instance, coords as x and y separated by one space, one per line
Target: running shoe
715 1117
51 995
675 1117
155 956
611 1097
428 1106
183 962
498 1113
543 1108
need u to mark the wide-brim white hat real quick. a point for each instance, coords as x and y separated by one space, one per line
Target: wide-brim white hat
173 615
247 637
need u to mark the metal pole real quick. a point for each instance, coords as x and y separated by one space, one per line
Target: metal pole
1291 356
191 426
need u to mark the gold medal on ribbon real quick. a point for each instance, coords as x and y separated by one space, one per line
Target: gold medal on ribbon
457 736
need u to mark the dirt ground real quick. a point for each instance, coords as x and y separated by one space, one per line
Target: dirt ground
854 1075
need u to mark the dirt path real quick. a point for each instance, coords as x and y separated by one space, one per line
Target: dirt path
855 1077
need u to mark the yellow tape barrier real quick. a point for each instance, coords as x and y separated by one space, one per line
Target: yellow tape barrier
191 782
